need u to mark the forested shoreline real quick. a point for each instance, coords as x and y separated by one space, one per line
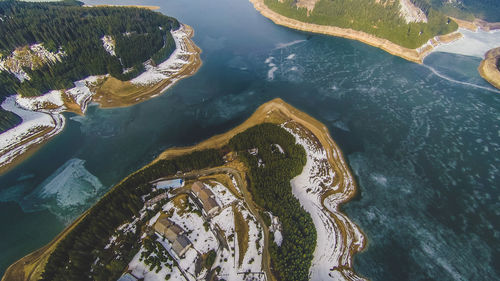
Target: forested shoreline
140 34
381 20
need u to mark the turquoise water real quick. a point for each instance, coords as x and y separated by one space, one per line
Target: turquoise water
422 140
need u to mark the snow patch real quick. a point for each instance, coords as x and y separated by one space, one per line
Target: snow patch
176 61
31 57
472 43
332 251
109 44
28 131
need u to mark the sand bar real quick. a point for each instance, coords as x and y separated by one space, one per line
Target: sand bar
488 68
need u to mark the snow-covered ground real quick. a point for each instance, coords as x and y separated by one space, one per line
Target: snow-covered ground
203 239
32 57
109 44
216 233
81 93
40 114
227 258
252 261
223 196
177 60
141 270
275 228
333 244
472 43
17 140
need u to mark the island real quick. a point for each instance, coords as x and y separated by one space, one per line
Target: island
259 202
489 68
62 56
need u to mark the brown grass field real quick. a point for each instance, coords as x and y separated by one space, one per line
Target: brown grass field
488 68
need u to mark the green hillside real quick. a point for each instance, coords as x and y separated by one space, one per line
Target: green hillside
381 19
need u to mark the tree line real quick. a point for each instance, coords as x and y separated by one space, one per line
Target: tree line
139 34
270 174
487 10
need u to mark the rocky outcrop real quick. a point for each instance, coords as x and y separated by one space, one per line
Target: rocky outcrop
32 57
488 69
410 12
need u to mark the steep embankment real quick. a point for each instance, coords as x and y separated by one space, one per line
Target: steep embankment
416 55
488 69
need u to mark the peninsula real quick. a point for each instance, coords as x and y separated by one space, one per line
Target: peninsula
93 60
259 201
401 29
489 68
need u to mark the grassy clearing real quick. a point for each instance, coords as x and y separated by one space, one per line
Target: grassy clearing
241 227
224 180
181 203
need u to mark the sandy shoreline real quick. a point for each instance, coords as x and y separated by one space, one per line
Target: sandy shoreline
152 8
341 190
488 68
415 55
185 61
22 141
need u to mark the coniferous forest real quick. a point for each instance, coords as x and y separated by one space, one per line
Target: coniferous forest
271 190
75 256
139 34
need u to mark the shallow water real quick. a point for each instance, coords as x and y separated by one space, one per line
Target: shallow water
422 140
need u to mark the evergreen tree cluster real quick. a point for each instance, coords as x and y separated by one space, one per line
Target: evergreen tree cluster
381 20
8 120
488 10
271 190
139 34
75 254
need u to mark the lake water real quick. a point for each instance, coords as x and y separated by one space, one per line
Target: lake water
422 140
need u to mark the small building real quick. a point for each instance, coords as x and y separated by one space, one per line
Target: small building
127 277
253 151
174 234
156 199
181 245
206 198
167 184
167 228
